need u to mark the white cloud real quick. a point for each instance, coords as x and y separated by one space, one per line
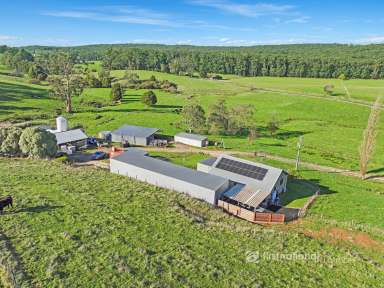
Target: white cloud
249 10
123 14
134 15
299 20
289 39
7 38
372 39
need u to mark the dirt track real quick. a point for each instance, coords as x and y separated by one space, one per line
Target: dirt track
215 153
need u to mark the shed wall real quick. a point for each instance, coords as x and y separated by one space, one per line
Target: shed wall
141 141
163 181
191 142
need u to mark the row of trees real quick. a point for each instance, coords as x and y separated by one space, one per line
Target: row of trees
242 62
21 61
132 81
314 60
31 142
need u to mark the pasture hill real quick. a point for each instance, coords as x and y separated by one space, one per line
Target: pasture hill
85 227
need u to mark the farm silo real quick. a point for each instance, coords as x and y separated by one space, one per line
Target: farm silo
61 124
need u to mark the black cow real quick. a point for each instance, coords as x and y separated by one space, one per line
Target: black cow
5 202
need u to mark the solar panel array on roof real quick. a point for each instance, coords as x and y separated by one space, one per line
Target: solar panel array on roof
241 168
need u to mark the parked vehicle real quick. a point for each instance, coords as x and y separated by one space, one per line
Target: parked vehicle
92 141
99 155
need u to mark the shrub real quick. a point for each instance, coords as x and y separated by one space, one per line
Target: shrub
148 84
328 89
37 143
10 145
168 86
42 76
216 77
3 135
149 98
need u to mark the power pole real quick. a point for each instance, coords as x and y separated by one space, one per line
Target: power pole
299 145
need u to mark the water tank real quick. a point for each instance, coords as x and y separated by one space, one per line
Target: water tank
61 124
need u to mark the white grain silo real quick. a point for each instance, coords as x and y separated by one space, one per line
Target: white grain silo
61 124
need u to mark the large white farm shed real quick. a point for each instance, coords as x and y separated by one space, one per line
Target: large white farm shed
136 163
191 139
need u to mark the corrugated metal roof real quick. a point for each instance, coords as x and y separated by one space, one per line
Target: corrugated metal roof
191 136
70 136
209 161
137 131
255 190
137 158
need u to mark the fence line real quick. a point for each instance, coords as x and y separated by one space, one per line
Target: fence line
308 204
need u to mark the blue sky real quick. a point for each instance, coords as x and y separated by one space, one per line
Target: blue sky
199 22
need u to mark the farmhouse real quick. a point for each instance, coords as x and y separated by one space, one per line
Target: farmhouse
134 135
257 187
137 164
191 139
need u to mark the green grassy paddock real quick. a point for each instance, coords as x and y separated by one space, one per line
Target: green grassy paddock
332 130
86 227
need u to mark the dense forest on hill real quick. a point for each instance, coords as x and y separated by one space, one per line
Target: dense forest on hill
300 60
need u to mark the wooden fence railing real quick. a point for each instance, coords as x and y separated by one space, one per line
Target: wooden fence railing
308 204
256 217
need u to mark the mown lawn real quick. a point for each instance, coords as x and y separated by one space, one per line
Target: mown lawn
83 227
332 130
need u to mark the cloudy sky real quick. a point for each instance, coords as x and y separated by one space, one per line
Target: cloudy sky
199 22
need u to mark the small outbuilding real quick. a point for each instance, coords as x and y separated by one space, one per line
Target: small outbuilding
134 135
74 137
195 140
